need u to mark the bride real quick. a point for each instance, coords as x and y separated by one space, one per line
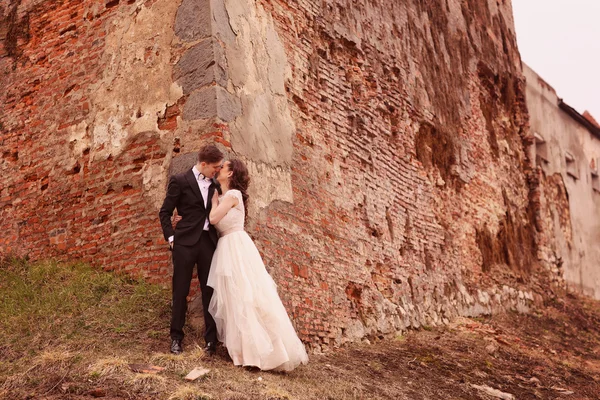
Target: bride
251 320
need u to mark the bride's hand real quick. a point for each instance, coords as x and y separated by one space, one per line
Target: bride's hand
215 199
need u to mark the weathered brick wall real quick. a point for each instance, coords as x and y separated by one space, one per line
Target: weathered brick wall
73 184
409 172
385 144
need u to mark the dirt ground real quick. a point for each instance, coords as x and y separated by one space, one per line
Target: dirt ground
73 332
552 353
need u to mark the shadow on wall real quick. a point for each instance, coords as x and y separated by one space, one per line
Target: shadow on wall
437 147
513 245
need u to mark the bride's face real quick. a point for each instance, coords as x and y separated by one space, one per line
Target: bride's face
225 173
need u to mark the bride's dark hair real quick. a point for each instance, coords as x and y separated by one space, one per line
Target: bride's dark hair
240 178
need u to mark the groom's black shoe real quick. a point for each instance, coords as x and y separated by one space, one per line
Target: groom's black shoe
176 347
211 348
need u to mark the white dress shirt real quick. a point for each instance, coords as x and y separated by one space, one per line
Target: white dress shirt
203 184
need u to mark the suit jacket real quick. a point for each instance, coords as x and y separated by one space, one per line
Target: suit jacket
184 194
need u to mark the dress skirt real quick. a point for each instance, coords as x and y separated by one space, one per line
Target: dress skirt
251 319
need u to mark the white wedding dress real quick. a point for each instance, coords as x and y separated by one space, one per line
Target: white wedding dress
251 320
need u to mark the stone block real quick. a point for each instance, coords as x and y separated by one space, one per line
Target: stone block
193 20
202 65
182 163
212 102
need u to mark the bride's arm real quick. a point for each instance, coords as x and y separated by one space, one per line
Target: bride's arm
220 208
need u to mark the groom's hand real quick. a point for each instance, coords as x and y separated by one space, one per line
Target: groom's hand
175 219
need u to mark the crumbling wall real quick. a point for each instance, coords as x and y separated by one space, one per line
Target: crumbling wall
385 142
409 174
84 83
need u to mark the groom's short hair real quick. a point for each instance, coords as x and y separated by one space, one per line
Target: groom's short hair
210 154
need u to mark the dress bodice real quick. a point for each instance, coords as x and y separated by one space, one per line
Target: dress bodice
233 221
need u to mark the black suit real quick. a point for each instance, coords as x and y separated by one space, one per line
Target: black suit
192 246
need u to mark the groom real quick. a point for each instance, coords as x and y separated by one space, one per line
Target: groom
193 241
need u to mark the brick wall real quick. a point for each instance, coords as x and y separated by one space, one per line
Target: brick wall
61 195
409 173
390 190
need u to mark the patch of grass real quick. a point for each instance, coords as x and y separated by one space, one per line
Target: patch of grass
50 302
276 393
108 366
148 383
189 393
193 357
376 366
52 314
426 359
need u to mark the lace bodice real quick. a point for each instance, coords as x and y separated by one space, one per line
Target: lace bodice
234 219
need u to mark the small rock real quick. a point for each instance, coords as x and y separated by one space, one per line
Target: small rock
65 387
494 392
562 390
492 348
196 373
480 374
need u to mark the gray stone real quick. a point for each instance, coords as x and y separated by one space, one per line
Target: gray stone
182 163
193 20
210 102
201 104
201 65
228 105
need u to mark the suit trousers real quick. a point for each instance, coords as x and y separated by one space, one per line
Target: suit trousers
184 259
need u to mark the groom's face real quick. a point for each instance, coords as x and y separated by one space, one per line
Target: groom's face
210 169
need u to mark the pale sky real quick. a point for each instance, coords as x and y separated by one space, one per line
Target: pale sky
560 40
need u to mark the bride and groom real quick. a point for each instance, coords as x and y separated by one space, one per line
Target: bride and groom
240 302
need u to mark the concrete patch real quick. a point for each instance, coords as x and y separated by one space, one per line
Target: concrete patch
182 163
137 82
258 69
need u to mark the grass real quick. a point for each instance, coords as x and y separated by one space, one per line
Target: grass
70 331
52 315
48 303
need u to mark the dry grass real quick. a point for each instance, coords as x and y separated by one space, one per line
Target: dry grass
189 392
69 330
108 367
